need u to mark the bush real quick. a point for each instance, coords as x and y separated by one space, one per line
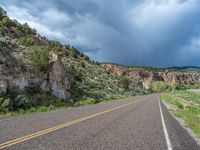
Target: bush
27 30
7 22
39 58
74 52
19 100
85 102
87 58
54 44
78 77
125 82
196 86
159 86
61 51
82 54
27 41
180 87
4 105
83 64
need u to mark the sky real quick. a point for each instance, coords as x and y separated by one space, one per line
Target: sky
159 33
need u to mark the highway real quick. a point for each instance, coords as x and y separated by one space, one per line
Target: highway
140 123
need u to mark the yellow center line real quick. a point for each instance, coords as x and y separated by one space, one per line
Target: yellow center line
46 131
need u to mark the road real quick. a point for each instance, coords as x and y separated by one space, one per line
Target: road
140 123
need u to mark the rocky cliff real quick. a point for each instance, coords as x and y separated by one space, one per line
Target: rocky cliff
172 77
15 74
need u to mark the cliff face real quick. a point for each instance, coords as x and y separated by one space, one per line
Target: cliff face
144 75
15 74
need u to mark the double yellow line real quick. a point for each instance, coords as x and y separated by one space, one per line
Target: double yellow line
46 131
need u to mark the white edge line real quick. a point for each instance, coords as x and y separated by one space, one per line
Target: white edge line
169 146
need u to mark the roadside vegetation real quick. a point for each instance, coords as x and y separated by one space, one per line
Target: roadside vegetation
31 100
160 86
186 106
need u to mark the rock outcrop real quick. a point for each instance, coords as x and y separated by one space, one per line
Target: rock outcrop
143 75
14 74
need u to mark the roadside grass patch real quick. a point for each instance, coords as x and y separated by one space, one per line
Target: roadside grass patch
183 104
86 102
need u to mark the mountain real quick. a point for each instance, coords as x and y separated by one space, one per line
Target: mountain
186 68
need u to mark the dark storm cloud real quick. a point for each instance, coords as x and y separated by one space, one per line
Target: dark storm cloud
132 32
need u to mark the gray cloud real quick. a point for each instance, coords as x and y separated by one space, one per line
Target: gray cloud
132 32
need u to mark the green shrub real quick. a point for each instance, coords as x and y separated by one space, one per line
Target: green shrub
159 86
180 87
78 77
85 102
87 58
83 64
19 100
26 29
125 82
82 54
179 104
195 86
61 51
27 41
2 33
74 52
7 22
39 58
54 44
4 105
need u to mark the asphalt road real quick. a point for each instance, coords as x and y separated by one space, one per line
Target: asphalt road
142 123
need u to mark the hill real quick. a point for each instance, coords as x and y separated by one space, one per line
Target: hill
37 72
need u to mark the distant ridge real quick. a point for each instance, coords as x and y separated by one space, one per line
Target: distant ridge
173 68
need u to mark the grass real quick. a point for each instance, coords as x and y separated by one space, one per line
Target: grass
31 110
23 102
82 102
185 105
90 101
92 81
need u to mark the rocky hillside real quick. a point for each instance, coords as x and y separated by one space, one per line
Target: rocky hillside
152 74
35 71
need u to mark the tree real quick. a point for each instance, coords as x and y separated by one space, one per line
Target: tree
27 29
39 58
34 31
1 13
